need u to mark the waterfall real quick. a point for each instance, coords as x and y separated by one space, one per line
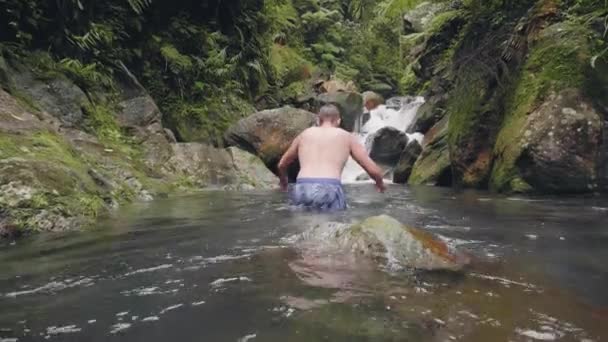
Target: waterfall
399 112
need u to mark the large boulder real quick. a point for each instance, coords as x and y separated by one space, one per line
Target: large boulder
251 171
200 165
551 137
349 103
556 150
269 133
54 94
388 242
197 165
386 145
433 166
406 162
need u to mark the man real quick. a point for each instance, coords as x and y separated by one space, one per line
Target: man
322 152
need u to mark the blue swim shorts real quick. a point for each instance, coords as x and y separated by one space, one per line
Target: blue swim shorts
323 194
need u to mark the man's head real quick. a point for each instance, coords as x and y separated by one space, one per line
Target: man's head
329 114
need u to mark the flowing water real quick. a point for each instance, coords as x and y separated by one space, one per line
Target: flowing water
218 267
399 112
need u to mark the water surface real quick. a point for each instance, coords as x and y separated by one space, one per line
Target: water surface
217 267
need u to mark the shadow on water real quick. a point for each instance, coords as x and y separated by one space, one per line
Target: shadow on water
216 267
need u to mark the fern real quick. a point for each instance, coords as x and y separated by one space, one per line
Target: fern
138 6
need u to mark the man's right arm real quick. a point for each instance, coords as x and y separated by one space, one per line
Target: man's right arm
360 155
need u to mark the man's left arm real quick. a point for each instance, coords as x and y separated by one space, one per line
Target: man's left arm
290 155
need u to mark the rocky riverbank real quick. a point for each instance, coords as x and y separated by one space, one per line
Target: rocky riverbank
68 156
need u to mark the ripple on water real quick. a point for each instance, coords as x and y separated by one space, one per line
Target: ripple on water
118 327
53 287
151 269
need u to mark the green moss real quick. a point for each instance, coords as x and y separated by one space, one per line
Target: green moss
465 104
409 82
102 122
289 65
207 121
559 60
439 21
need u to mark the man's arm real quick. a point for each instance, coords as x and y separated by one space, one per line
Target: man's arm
359 154
290 155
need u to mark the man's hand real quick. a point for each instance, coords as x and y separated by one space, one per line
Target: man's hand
283 184
380 186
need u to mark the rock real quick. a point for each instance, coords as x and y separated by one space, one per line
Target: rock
556 149
350 105
433 166
336 86
15 118
252 172
384 89
428 115
58 95
420 18
203 165
386 241
138 111
268 134
386 145
406 162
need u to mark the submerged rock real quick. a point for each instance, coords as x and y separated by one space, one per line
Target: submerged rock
386 145
269 133
406 162
388 242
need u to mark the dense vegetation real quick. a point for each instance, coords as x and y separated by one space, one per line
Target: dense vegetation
206 62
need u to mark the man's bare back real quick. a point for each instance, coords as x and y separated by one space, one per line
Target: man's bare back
323 152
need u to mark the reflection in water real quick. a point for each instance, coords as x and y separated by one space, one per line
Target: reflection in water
217 267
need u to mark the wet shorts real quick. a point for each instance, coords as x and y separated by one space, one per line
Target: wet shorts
324 194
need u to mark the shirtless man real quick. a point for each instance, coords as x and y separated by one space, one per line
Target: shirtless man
323 152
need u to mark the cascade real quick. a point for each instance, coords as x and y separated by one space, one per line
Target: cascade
399 112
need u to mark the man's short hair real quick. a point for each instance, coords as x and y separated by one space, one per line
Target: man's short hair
329 112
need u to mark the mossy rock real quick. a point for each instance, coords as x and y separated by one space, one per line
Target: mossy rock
207 121
433 166
533 153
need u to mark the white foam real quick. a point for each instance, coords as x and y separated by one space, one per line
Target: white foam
68 329
170 308
150 319
503 281
247 337
198 303
52 287
537 335
221 281
118 327
10 339
151 269
379 118
142 291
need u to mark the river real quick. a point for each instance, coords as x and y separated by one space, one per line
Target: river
216 267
